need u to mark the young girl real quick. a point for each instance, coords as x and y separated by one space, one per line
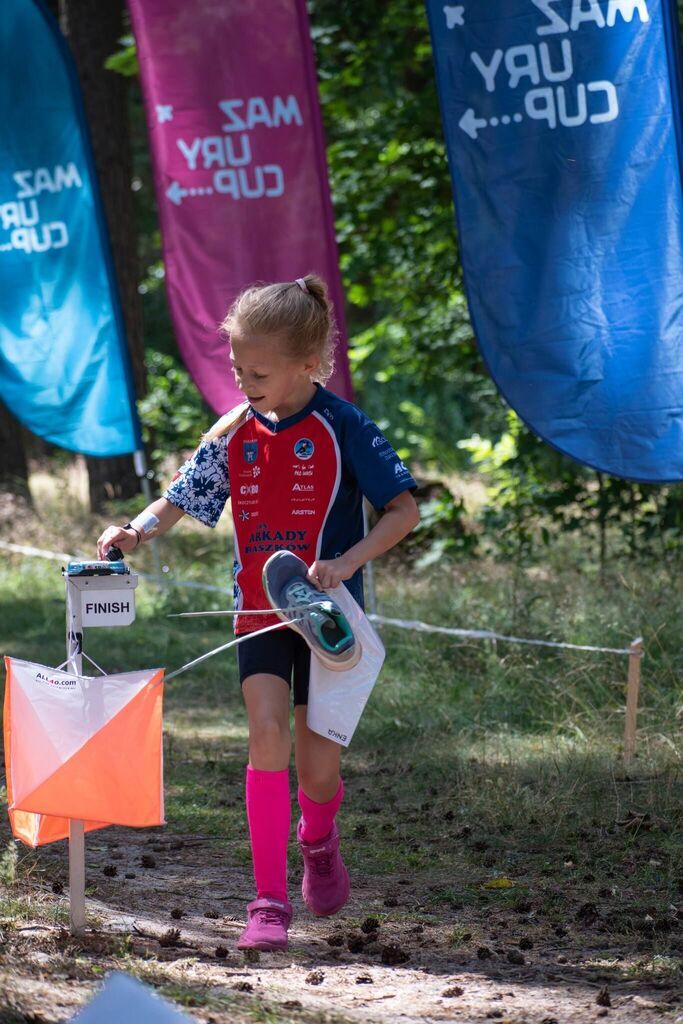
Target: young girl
296 461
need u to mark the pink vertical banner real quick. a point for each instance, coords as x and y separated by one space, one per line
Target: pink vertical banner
239 165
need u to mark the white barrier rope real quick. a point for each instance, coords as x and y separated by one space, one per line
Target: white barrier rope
20 549
57 556
485 634
412 624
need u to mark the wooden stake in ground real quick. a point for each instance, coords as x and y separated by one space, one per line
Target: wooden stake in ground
632 691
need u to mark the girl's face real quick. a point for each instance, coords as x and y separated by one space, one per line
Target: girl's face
272 379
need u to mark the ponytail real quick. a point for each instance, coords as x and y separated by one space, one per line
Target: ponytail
227 422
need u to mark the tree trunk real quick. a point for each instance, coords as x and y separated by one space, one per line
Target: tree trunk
93 30
13 466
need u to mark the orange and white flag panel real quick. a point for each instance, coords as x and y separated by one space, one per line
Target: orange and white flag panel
81 747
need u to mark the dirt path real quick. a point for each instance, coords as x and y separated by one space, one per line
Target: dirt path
390 955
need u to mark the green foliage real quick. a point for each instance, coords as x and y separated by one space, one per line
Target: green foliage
173 412
125 60
534 494
414 360
445 530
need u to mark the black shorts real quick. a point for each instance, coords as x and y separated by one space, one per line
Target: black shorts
283 653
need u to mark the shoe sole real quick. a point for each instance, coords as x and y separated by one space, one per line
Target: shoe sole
264 947
328 662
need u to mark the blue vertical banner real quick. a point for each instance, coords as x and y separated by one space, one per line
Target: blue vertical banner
64 365
562 124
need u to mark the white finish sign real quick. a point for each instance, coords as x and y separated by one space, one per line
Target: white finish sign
108 607
104 600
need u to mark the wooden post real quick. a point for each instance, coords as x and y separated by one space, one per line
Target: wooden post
632 690
76 876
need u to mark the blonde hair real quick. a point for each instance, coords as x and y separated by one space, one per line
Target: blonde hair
303 315
227 422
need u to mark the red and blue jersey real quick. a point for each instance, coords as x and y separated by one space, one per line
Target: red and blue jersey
295 485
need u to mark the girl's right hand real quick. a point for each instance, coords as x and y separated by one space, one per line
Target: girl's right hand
124 539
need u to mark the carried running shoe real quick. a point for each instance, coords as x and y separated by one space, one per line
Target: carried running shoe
323 625
267 924
325 887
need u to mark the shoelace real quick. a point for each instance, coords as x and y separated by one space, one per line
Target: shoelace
270 916
321 863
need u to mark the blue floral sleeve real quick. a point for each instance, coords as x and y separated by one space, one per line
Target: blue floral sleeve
201 486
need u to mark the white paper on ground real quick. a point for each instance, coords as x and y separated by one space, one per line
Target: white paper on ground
125 999
336 700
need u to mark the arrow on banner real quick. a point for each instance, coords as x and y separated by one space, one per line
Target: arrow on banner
470 123
176 193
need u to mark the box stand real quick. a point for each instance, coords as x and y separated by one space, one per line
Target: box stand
86 599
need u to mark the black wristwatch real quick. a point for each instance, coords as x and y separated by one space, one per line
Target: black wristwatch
129 526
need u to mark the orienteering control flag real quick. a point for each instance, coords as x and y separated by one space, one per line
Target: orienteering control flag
83 748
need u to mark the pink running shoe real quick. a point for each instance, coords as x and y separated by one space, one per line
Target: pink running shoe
267 924
325 887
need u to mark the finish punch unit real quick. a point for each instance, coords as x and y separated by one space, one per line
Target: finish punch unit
100 593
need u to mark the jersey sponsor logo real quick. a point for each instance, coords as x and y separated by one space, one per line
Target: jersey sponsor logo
264 534
266 540
303 487
400 469
378 440
303 511
256 471
249 488
250 451
304 448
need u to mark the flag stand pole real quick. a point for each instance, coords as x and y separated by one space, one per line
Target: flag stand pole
74 651
140 463
369 568
632 690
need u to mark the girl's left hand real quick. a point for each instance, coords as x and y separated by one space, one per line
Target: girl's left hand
330 573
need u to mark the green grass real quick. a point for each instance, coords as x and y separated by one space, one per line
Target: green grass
473 761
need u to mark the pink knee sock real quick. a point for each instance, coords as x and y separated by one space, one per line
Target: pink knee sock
317 819
269 815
